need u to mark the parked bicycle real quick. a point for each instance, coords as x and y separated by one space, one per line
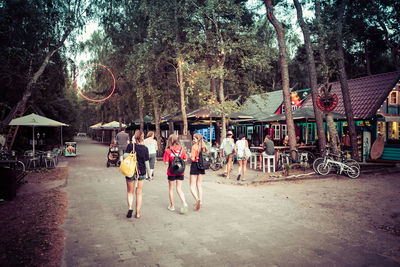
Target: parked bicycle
294 157
351 171
342 157
217 162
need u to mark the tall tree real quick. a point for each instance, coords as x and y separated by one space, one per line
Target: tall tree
312 75
284 72
343 81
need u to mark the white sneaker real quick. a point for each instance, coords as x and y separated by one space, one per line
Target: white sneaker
171 208
184 209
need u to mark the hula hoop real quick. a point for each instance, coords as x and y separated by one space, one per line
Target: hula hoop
88 98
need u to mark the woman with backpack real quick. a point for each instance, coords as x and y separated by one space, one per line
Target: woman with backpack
175 157
241 145
228 150
142 159
196 171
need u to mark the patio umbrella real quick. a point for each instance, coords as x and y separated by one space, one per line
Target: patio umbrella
113 125
96 126
35 120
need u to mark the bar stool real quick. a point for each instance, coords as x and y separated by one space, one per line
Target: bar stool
253 160
270 162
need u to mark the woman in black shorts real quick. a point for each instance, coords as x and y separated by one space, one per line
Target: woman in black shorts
142 157
196 174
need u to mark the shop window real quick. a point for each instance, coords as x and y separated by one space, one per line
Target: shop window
394 98
393 131
277 131
381 129
284 130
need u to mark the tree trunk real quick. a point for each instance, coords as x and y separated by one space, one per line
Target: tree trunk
182 95
313 76
343 82
28 91
221 94
325 75
284 73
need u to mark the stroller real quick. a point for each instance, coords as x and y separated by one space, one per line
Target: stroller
113 155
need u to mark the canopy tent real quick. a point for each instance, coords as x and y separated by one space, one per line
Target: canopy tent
135 124
35 120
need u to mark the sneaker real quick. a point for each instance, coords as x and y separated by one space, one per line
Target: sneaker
184 209
129 215
171 208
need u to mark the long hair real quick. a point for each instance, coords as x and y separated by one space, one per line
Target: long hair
202 144
150 134
172 140
139 136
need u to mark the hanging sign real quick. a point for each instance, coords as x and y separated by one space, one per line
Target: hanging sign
327 101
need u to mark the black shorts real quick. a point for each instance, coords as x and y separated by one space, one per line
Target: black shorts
194 169
177 177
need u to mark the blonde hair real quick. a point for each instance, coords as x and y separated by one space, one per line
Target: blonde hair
201 143
150 134
139 136
172 140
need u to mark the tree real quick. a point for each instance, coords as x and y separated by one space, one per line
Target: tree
312 76
284 72
343 81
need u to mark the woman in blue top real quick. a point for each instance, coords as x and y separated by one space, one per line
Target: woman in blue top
142 158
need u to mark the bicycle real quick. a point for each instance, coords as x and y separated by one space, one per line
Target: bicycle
351 171
341 158
217 162
302 158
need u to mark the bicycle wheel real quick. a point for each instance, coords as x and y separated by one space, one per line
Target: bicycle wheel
323 168
215 166
316 162
353 172
352 162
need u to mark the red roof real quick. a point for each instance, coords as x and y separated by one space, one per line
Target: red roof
367 94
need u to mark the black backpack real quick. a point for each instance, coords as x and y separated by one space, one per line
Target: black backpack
204 161
177 166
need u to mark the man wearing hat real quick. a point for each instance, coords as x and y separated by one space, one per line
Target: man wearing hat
228 150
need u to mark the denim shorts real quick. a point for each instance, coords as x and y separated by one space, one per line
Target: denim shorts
133 178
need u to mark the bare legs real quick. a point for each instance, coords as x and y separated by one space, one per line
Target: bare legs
196 189
178 190
139 191
131 191
228 166
130 185
242 167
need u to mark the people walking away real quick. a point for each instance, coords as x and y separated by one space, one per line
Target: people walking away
122 140
142 157
152 146
174 149
241 145
228 150
196 173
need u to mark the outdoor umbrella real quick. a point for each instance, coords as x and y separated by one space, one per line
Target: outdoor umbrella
96 126
35 120
113 125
